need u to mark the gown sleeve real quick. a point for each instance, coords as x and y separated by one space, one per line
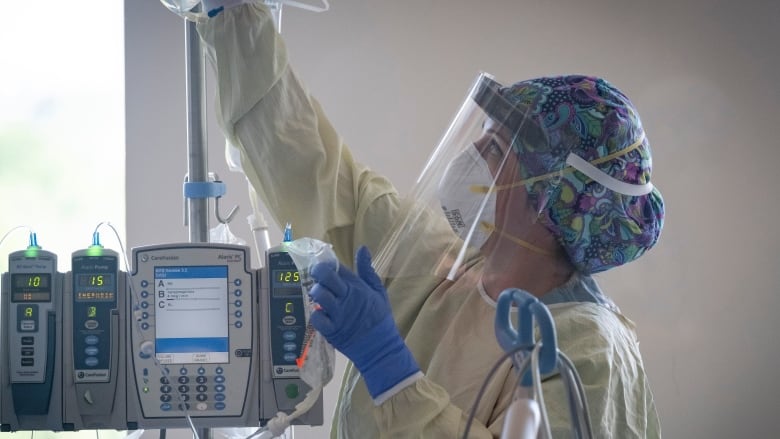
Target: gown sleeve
290 152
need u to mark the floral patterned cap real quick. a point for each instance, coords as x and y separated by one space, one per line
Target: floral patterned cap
588 117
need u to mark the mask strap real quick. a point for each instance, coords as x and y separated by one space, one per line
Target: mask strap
525 244
576 162
607 180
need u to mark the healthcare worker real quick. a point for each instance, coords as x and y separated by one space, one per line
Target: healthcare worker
536 186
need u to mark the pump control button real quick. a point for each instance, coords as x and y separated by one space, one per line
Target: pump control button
28 340
92 339
292 391
91 350
146 348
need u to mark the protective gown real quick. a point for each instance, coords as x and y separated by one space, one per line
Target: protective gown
286 142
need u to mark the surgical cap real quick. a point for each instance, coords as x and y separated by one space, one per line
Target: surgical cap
587 116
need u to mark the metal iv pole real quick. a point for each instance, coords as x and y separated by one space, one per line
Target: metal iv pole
197 151
197 187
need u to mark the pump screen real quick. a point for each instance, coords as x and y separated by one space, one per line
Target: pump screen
191 307
95 287
31 287
286 283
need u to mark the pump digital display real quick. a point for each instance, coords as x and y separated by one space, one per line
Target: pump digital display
191 308
31 287
95 287
95 280
287 277
286 283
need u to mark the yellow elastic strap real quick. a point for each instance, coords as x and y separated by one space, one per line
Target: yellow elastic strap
482 189
525 244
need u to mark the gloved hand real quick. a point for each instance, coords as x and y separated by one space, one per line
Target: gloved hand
355 317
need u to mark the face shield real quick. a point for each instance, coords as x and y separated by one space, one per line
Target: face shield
480 193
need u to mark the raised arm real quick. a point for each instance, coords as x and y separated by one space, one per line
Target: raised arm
290 152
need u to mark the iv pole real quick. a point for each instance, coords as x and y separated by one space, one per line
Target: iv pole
196 215
197 157
198 187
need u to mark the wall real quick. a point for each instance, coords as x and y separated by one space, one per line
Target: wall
391 74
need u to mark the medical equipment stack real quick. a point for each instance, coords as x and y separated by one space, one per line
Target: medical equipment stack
186 339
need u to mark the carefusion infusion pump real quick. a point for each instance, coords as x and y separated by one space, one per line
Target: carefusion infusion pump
284 323
31 353
94 324
193 344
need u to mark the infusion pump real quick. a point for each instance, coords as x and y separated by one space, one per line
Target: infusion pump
192 330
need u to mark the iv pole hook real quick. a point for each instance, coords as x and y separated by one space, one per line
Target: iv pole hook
230 215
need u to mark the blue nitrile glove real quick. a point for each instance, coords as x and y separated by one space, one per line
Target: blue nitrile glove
355 317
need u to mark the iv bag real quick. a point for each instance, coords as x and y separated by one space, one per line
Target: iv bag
180 6
320 359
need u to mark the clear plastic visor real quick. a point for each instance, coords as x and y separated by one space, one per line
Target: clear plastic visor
474 199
